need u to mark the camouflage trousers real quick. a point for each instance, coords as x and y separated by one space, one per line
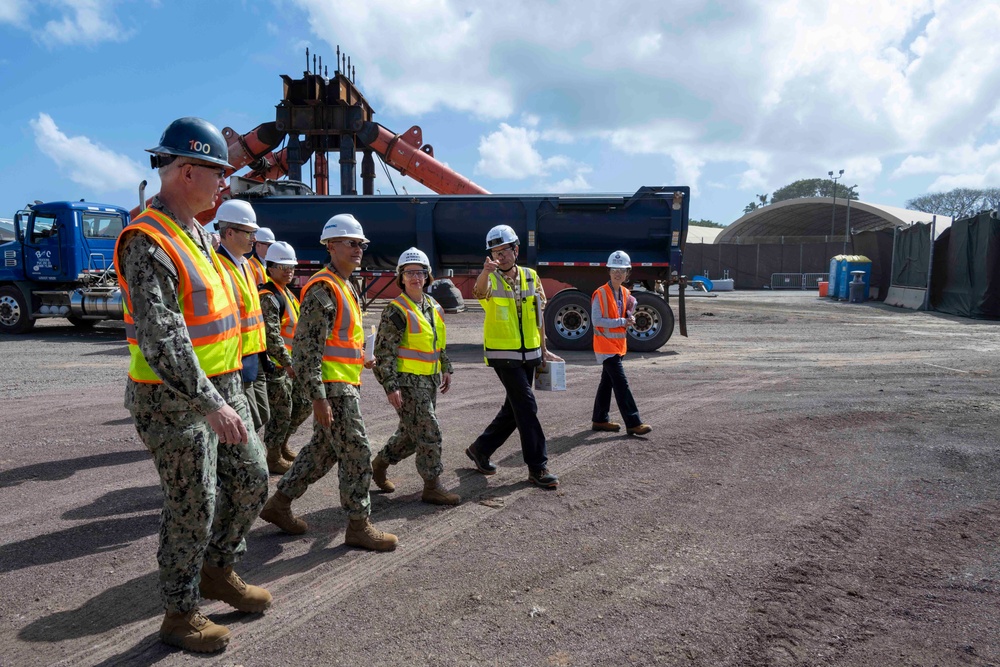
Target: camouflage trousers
212 493
257 401
345 443
289 408
418 432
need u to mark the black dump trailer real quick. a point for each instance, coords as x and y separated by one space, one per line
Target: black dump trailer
566 238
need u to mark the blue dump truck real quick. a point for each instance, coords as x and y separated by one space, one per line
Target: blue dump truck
566 238
61 264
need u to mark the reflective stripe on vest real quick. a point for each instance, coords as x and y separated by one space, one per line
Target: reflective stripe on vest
205 298
343 356
611 340
420 350
505 335
251 317
258 270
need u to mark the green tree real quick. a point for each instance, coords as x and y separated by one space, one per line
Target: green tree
752 206
957 203
811 187
706 223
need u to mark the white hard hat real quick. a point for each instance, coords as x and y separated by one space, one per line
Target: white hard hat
236 212
619 259
281 253
265 235
500 235
413 256
342 226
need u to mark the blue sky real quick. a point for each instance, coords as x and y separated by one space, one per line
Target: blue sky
733 99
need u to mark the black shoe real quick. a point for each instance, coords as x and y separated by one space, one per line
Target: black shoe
543 478
482 463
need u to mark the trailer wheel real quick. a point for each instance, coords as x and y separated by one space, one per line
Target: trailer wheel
567 321
15 316
654 323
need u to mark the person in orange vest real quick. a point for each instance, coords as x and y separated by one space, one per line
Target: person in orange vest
411 365
281 315
258 258
328 355
612 310
184 392
237 224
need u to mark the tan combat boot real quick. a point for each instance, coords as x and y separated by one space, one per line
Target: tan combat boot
221 583
286 453
276 465
379 468
191 631
361 533
278 510
435 494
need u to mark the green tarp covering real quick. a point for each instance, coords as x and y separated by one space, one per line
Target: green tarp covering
967 268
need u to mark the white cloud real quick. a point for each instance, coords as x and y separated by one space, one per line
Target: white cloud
14 12
85 162
510 153
784 88
66 22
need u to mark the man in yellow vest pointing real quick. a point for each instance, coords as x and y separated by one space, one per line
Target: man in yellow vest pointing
182 323
328 355
514 345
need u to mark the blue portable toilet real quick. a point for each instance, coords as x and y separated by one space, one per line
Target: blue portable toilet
846 264
835 262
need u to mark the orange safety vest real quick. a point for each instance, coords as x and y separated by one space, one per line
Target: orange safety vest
258 270
205 298
343 357
251 317
610 340
289 312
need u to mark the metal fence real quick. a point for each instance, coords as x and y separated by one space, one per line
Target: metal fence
796 280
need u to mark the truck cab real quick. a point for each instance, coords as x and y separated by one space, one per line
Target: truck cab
59 247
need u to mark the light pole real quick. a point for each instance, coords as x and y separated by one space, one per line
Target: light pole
850 191
833 214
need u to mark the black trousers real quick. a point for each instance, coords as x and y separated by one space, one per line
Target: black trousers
519 412
613 377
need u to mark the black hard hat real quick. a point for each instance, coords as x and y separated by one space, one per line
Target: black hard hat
194 138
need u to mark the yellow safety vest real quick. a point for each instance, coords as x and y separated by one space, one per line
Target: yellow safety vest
251 317
343 357
420 350
507 337
204 296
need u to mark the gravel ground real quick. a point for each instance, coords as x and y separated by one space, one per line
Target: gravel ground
820 488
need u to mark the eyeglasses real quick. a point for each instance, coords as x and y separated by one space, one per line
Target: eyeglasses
505 250
415 273
220 173
353 244
248 232
617 270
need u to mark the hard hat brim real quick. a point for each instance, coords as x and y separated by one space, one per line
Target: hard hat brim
163 150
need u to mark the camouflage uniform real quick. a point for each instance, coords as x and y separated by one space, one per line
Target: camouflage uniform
289 407
418 429
345 442
212 492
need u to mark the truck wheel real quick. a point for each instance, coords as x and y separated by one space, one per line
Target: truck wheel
567 321
654 323
15 316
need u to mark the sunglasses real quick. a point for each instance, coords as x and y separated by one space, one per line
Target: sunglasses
354 244
220 173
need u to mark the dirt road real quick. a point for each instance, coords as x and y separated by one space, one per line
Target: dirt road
821 488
